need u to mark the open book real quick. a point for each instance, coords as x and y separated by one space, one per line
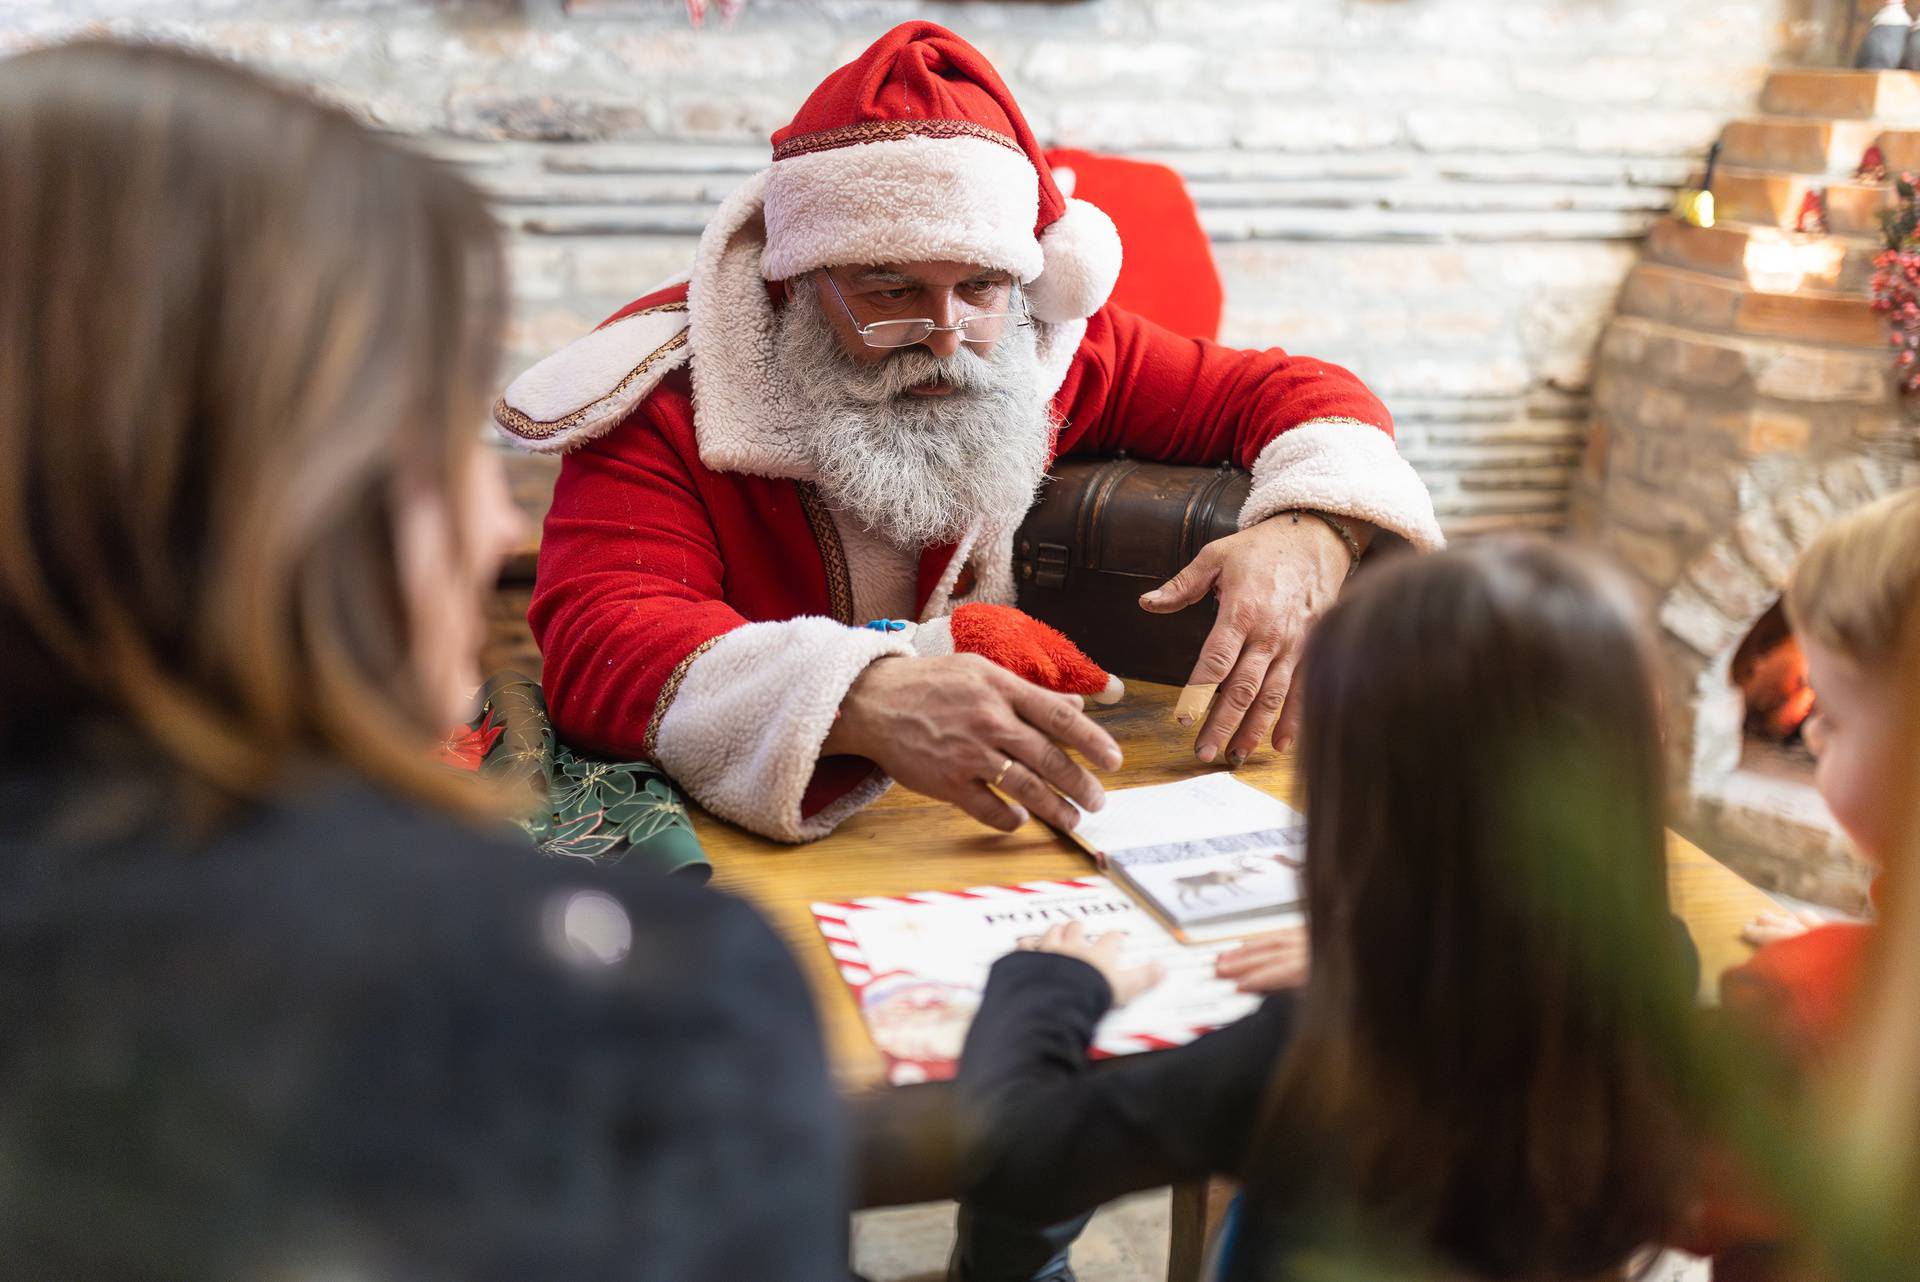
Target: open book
917 965
1209 855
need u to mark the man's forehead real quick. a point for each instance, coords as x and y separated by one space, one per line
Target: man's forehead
921 273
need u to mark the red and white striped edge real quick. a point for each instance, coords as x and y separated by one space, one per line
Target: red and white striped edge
831 915
1108 1047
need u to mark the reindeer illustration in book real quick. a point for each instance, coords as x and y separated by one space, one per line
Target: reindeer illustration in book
841 414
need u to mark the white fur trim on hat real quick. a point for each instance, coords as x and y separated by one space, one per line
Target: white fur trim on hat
1082 250
594 382
1347 468
744 732
909 199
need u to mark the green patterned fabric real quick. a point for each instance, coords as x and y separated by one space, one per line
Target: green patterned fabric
579 805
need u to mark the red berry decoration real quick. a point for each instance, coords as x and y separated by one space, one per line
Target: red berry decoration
1896 282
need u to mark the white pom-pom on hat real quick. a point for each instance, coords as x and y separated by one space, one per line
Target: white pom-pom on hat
1081 252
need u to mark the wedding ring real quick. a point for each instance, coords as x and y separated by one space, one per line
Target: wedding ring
1001 774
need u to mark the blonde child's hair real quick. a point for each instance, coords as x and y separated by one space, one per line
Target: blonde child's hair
1855 589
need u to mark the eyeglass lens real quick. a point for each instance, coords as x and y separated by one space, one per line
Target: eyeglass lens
973 329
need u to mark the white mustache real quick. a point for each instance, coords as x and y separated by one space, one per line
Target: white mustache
910 367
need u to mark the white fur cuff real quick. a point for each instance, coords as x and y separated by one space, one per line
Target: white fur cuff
932 639
1347 468
743 733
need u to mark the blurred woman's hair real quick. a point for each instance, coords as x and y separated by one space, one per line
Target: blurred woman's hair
235 328
1482 1044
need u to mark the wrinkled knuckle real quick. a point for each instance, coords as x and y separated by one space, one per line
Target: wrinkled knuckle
1057 719
1239 695
1244 615
1217 655
1054 762
979 726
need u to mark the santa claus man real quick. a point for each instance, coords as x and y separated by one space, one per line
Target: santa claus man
843 414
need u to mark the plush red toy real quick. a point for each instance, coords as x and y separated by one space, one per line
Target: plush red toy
1017 642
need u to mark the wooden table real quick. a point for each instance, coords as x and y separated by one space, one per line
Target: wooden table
905 842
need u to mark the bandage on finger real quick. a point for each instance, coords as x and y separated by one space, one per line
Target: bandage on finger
1193 704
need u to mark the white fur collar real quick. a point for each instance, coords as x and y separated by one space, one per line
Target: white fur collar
589 386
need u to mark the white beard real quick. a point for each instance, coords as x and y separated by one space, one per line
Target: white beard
918 471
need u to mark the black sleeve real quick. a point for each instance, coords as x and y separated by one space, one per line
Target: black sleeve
1686 951
733 1137
1048 1134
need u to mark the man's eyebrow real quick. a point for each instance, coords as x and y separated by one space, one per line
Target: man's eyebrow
881 276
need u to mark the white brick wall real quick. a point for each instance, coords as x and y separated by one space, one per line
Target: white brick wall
1442 194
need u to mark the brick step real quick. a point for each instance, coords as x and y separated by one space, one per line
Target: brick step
1901 147
1833 94
1713 303
1760 369
1846 266
1797 145
1771 198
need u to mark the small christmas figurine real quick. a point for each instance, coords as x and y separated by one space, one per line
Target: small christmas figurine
1812 218
1886 42
1873 164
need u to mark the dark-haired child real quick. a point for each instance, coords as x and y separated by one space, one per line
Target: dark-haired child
1477 1076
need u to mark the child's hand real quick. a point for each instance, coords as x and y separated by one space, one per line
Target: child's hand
1771 928
1266 963
1103 954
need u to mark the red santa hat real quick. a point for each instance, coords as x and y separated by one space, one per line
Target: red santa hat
916 151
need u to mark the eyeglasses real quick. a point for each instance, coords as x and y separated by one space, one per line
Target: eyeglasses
983 328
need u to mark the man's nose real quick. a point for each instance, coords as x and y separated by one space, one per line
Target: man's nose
943 343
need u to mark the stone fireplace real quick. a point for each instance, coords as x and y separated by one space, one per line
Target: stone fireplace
1744 396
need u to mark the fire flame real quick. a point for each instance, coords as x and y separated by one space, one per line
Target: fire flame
1779 700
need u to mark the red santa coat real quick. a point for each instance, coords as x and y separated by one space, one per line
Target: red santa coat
694 592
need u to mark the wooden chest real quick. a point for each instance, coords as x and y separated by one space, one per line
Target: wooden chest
1106 530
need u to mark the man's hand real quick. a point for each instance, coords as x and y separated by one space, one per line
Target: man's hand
1103 954
1273 581
946 727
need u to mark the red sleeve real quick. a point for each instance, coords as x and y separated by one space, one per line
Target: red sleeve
1137 387
629 586
1799 990
1796 994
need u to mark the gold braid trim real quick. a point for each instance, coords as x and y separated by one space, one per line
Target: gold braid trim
650 742
889 131
832 555
533 429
